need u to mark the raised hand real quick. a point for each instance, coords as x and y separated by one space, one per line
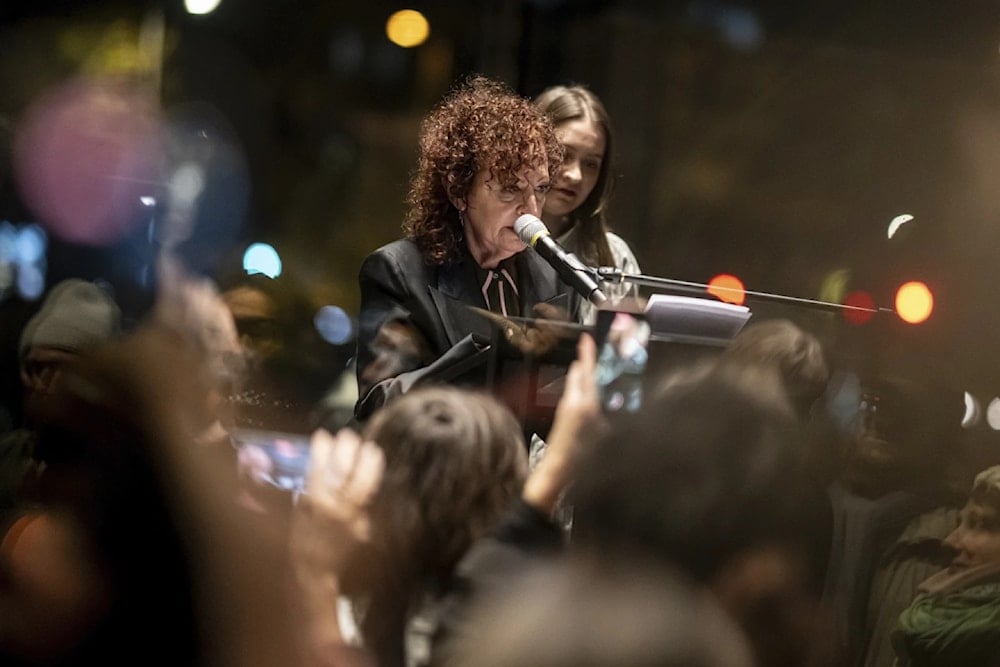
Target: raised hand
331 518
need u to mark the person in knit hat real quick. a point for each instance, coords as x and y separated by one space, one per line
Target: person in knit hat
75 316
954 618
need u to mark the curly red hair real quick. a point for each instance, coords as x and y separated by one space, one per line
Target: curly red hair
480 125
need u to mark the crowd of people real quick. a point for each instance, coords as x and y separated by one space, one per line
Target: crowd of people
734 518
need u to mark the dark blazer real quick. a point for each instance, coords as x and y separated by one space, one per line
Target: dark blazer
431 303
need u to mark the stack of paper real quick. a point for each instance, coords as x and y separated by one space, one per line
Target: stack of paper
669 314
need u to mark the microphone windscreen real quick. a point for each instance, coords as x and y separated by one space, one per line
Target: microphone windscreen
529 228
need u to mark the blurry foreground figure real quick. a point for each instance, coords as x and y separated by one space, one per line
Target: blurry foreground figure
895 460
577 615
385 518
704 480
75 316
708 477
134 551
796 353
288 366
955 619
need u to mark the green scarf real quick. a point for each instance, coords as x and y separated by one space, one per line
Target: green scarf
951 628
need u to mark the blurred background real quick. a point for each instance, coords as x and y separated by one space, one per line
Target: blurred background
826 149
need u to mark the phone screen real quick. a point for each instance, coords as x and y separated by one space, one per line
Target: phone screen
273 458
622 356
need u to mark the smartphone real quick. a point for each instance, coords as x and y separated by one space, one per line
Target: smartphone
273 458
622 357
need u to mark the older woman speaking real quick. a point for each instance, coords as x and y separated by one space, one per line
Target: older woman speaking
486 155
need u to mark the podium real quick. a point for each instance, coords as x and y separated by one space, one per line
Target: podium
530 381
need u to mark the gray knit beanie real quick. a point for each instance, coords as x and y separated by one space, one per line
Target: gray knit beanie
75 315
987 482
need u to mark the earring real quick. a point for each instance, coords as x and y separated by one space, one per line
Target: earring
461 218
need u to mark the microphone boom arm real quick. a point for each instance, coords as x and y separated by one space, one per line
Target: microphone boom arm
613 274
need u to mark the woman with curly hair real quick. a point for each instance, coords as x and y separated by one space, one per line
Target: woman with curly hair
574 210
485 159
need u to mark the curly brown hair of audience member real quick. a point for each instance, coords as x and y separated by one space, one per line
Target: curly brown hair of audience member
481 125
454 462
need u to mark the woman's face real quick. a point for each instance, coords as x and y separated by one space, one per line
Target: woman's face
491 209
977 537
585 144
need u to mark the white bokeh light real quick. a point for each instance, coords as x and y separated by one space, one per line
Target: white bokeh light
201 6
993 414
898 222
972 411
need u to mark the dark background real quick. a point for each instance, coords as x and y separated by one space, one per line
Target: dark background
772 140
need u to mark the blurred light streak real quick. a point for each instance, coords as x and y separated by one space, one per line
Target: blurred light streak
898 222
972 411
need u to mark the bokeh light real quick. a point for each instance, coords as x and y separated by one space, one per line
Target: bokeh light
262 258
334 325
727 287
914 302
84 155
834 285
898 222
203 208
972 411
30 281
201 6
993 414
407 28
855 300
30 244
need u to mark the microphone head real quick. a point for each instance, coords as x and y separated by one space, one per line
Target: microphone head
529 228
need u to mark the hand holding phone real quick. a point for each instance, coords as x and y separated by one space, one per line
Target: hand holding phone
622 357
331 519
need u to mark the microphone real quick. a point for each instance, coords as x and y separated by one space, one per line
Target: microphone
574 273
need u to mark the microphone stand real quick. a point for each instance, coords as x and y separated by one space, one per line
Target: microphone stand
612 274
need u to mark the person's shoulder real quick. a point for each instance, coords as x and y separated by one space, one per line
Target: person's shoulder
401 252
620 249
398 249
616 241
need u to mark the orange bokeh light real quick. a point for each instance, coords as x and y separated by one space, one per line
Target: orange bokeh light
914 302
728 288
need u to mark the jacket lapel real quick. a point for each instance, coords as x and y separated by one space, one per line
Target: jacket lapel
539 283
455 291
